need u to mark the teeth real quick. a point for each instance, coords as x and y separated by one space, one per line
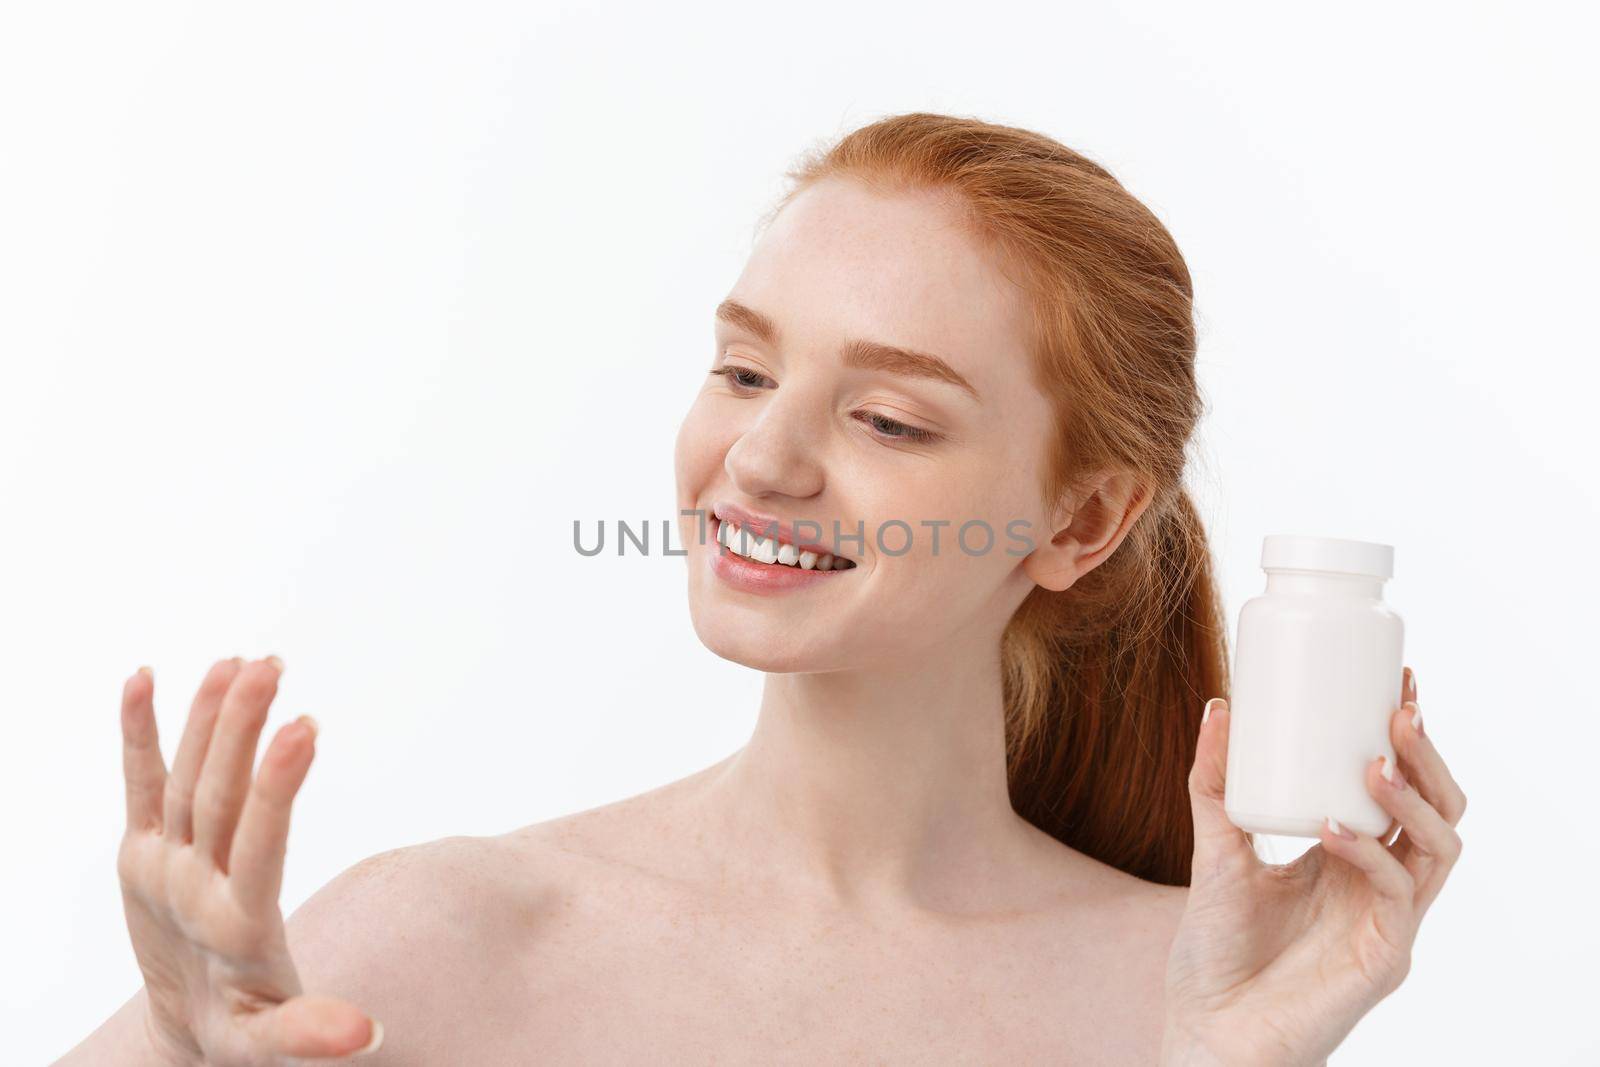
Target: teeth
769 550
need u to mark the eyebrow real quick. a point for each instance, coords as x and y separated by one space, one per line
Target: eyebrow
866 355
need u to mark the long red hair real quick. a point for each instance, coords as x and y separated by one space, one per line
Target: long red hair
1104 682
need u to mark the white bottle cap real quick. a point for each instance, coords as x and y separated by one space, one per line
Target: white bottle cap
1297 552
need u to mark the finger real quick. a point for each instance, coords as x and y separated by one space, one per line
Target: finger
1219 846
1393 888
255 862
225 775
144 773
178 802
316 1027
1420 758
1428 846
1422 763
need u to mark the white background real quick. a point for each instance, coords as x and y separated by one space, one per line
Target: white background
322 323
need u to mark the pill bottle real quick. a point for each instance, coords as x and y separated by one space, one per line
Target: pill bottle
1316 679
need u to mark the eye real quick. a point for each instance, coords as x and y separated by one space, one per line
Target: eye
887 427
742 377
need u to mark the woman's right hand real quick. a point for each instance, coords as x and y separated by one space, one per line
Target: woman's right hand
201 865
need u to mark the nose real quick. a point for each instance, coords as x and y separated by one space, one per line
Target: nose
777 454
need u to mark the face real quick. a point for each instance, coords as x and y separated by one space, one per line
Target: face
821 408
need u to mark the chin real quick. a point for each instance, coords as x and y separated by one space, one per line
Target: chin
763 660
759 651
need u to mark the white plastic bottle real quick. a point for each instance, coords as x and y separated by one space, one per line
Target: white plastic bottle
1316 678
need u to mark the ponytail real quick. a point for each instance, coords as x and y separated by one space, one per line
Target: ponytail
1104 686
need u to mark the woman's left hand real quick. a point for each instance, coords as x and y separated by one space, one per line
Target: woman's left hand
1276 964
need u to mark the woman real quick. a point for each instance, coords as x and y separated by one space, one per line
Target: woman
980 817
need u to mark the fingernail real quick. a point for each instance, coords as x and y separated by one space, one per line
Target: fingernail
309 721
375 1043
147 672
277 664
1333 825
238 661
1212 703
1416 715
1391 773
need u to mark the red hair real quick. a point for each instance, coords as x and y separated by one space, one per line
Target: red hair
1105 681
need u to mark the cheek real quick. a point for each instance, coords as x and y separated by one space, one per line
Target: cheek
699 450
943 577
961 574
701 447
969 493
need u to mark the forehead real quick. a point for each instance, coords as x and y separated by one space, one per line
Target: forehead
842 261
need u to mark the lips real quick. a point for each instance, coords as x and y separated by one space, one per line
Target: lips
758 524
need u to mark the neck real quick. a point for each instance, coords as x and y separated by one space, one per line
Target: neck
888 783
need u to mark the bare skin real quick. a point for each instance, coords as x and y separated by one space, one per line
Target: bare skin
623 934
666 951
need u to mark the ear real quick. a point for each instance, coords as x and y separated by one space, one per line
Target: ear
1096 522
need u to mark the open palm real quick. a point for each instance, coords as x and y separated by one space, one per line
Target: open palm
201 866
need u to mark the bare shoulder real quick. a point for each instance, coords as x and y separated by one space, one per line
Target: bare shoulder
1167 904
1125 900
411 891
647 834
1142 915
1123 923
1103 947
462 887
1164 904
408 934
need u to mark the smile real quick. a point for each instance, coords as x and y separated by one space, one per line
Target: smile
741 542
